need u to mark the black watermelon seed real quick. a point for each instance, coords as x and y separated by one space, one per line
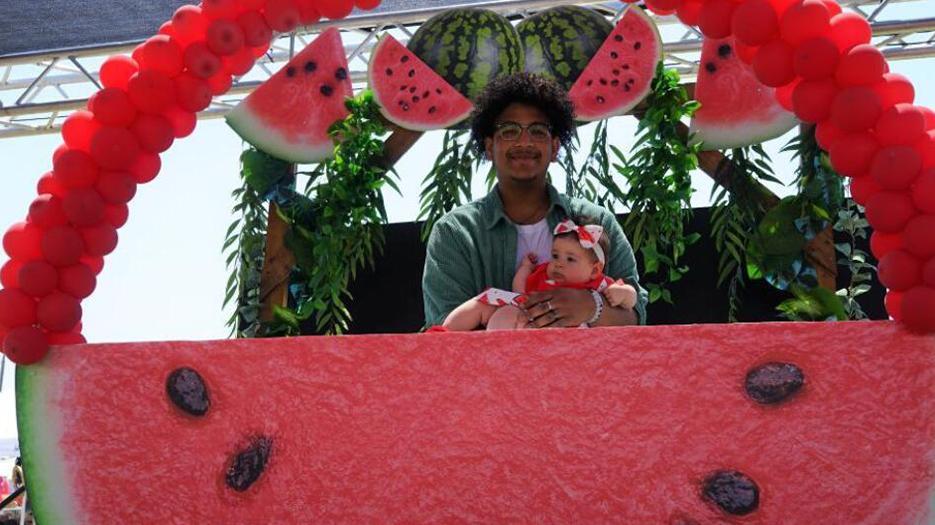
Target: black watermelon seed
340 74
405 106
732 491
438 90
403 88
404 59
248 465
615 82
426 94
432 110
626 66
603 81
710 67
327 90
616 72
290 71
311 66
600 99
416 99
412 73
590 83
723 50
637 45
188 391
614 55
773 382
618 38
389 72
626 87
412 89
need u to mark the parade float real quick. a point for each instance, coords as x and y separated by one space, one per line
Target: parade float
745 423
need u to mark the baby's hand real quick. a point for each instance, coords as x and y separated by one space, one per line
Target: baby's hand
621 294
530 260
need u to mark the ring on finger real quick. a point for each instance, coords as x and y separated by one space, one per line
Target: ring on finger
548 304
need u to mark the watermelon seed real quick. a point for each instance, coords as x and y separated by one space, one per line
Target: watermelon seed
438 90
188 391
772 383
732 491
404 59
615 82
310 66
626 67
327 90
603 81
412 89
600 99
403 88
637 45
415 99
710 67
618 38
590 83
614 55
616 72
412 73
405 106
248 465
340 74
426 94
724 50
290 71
626 87
432 110
389 72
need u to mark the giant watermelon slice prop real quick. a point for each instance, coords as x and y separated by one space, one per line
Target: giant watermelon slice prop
289 115
736 109
410 93
815 423
621 74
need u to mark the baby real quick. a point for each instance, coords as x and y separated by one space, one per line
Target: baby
578 259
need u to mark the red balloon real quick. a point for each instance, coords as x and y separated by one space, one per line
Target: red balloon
114 148
96 264
883 243
200 61
9 273
928 272
861 66
852 153
804 21
25 345
38 278
784 94
145 168
284 16
100 239
755 22
16 308
257 52
77 281
918 309
117 70
929 115
66 338
183 122
62 148
76 169
160 53
812 99
367 5
78 129
240 63
898 270
308 11
816 58
926 148
112 107
190 24
901 124
213 9
154 133
826 133
856 108
833 7
338 9
896 167
220 83
864 187
58 312
23 241
192 93
894 89
46 211
256 32
62 245
919 236
83 206
773 64
116 214
923 191
152 92
49 184
890 211
224 37
850 29
745 53
714 21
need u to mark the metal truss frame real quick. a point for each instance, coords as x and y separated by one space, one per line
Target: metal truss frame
41 90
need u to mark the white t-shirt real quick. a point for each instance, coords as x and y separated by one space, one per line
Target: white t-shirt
535 238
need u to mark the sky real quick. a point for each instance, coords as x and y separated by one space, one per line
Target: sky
167 278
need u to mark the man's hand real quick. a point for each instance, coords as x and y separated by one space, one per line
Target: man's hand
559 307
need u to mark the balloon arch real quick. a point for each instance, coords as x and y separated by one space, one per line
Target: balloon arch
819 58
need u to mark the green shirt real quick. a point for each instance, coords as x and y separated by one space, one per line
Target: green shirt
473 248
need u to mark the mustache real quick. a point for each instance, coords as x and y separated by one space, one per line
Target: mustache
523 152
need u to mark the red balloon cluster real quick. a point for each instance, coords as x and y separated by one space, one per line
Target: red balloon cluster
825 70
148 100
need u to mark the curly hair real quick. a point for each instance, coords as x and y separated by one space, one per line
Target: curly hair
526 88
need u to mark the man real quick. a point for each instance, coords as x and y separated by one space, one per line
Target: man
519 124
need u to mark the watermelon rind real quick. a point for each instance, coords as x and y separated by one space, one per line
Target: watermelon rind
715 136
252 129
40 429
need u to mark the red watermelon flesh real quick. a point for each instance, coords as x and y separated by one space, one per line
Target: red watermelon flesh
577 426
620 74
289 115
410 93
736 109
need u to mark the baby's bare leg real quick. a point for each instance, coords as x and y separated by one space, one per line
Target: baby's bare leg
507 318
470 315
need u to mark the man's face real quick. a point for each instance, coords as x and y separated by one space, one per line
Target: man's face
525 157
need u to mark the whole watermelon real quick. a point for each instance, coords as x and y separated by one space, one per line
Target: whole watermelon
469 47
559 42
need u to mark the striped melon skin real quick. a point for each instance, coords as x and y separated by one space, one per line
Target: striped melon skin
469 47
559 42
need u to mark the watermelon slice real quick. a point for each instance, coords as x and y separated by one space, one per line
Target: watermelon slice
794 424
410 93
736 110
621 74
289 115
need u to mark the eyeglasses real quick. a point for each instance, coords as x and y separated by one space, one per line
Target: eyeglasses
511 131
